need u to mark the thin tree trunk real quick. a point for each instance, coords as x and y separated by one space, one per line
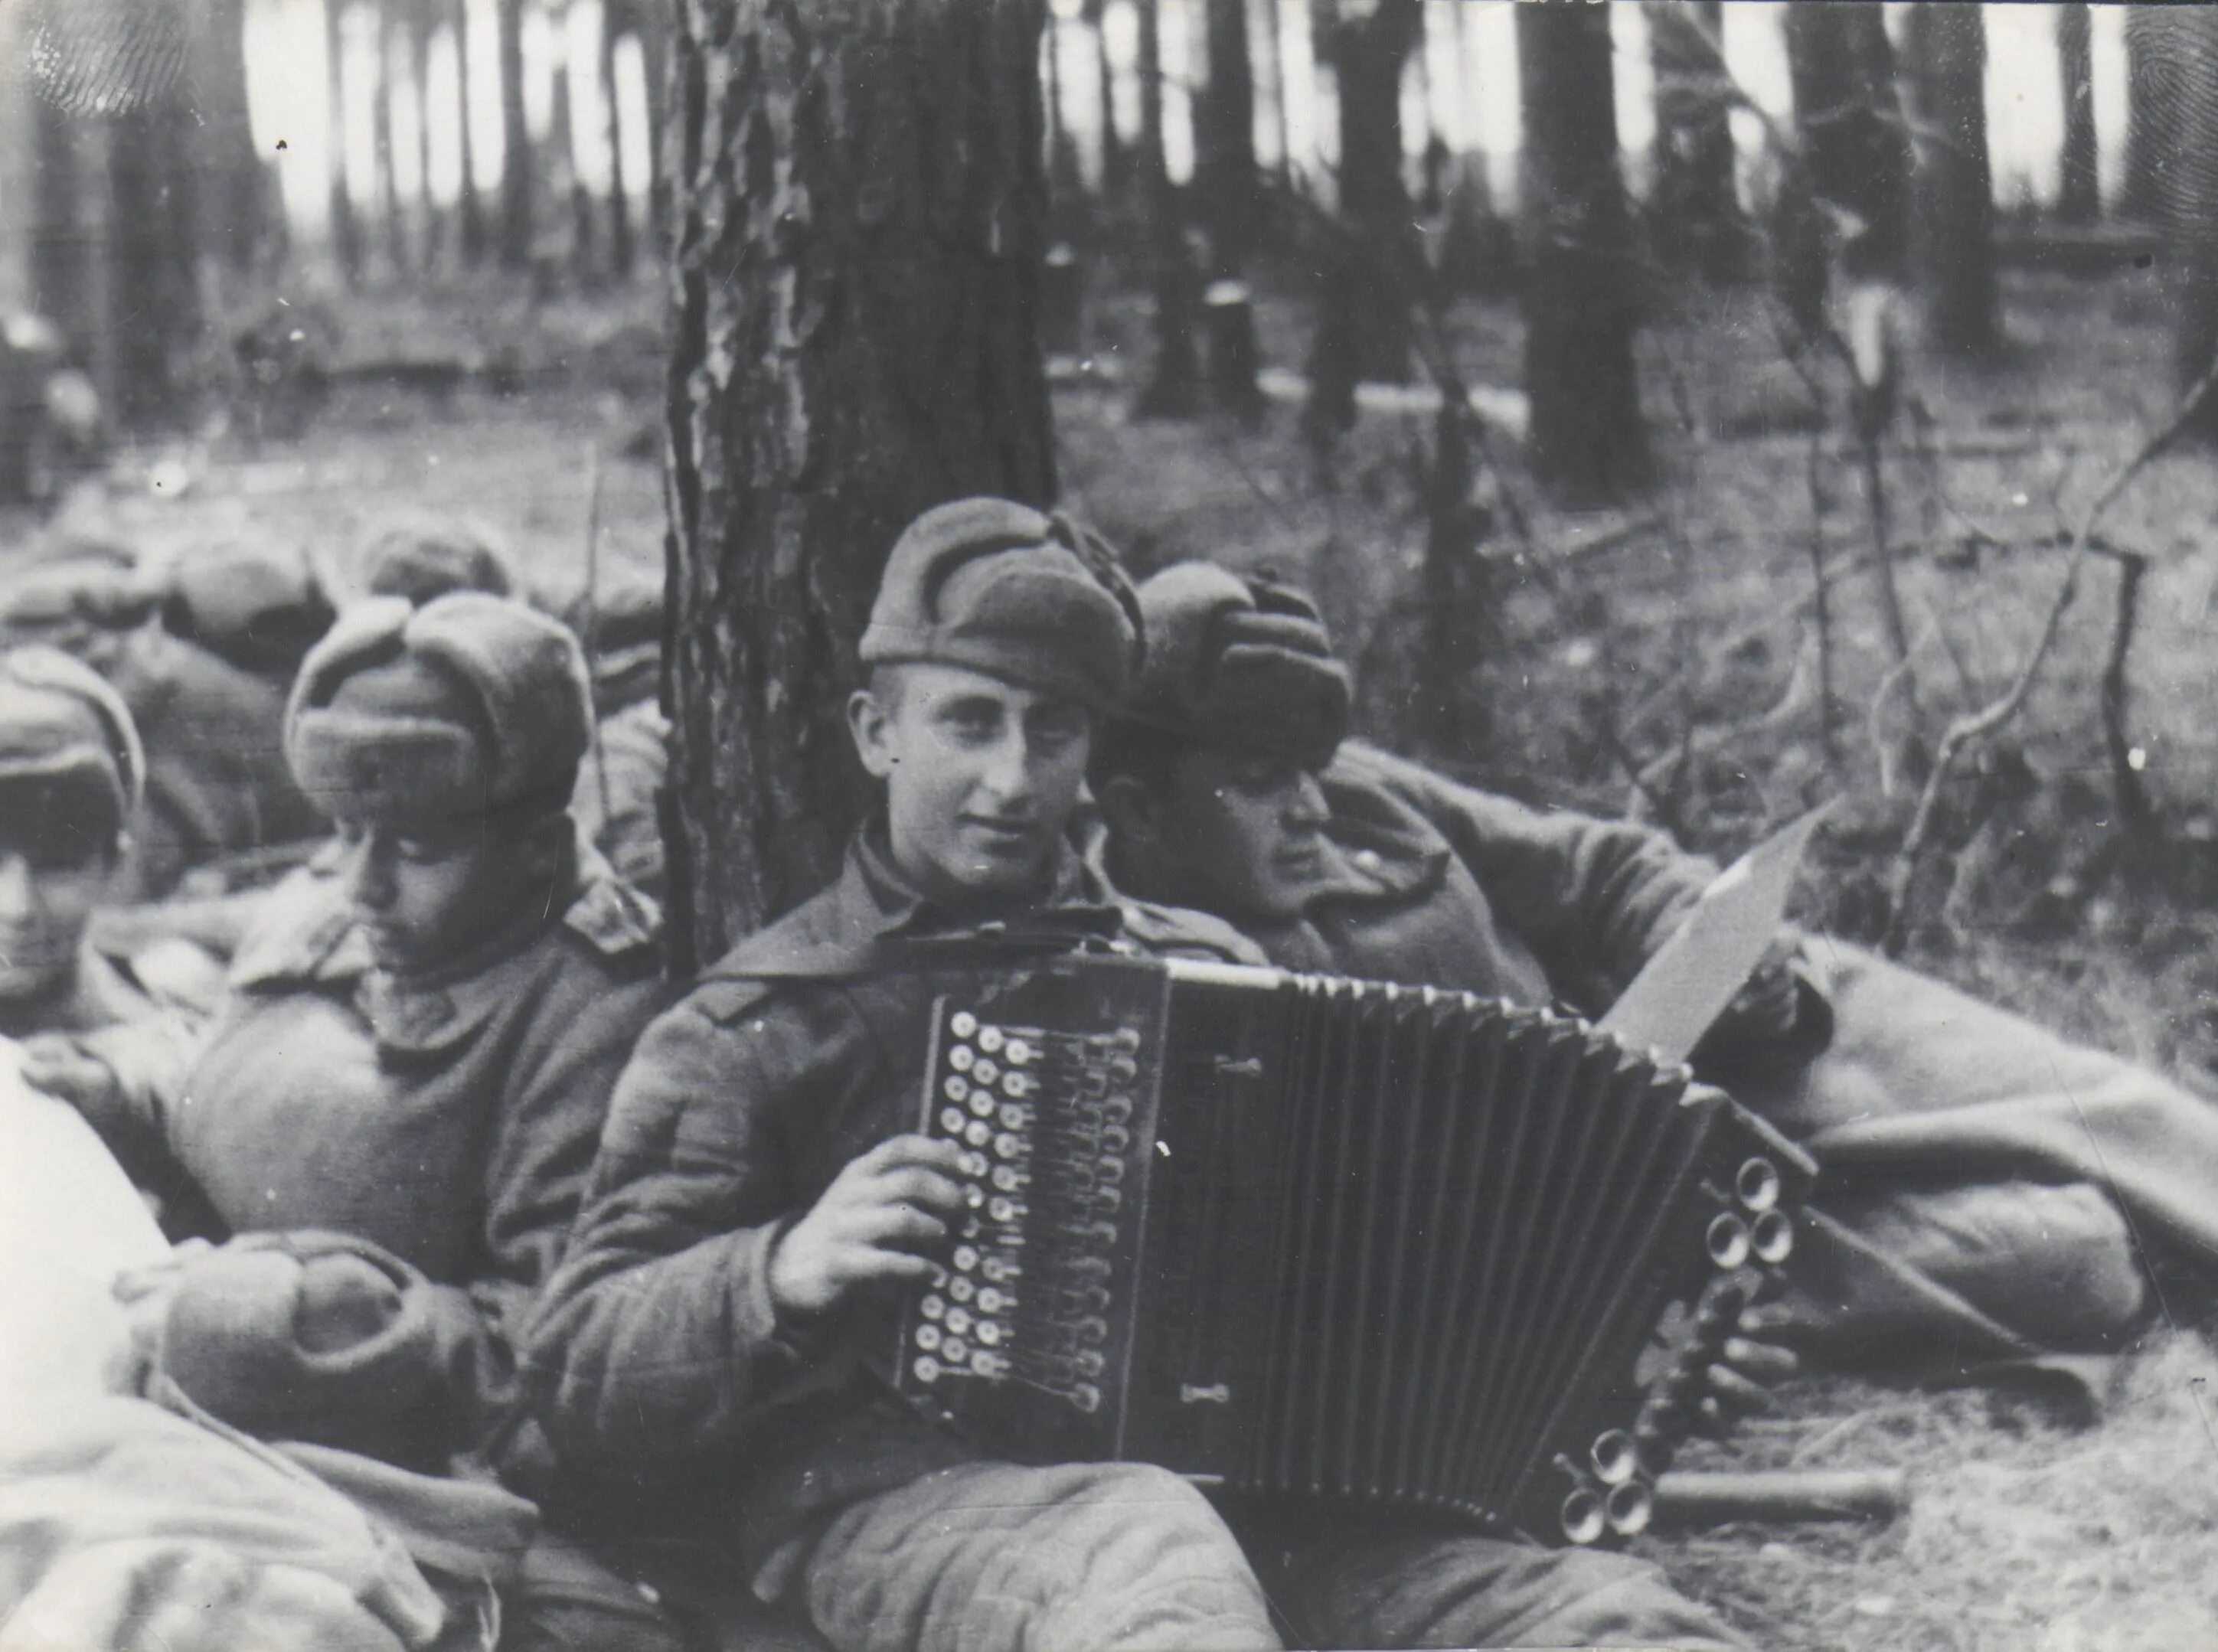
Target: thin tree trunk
1174 389
621 257
2078 199
516 159
1946 57
1693 217
381 115
1229 188
2154 134
469 206
1367 285
1116 163
346 226
431 234
878 161
1855 150
652 23
234 184
2177 46
1587 439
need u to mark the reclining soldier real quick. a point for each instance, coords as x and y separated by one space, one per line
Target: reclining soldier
718 1342
1227 782
387 1124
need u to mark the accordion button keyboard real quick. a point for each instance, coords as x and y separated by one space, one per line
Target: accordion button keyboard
932 1308
953 1350
1014 1118
926 1369
961 1288
958 1322
963 1024
952 1120
927 1337
989 1040
1017 1052
966 1257
984 1071
961 1056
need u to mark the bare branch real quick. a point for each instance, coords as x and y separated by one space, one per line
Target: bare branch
1978 724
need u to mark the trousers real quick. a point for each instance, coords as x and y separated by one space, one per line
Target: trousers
994 1557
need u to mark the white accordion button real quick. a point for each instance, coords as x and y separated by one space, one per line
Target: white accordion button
963 1024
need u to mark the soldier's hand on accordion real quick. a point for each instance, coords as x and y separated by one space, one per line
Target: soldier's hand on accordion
877 1222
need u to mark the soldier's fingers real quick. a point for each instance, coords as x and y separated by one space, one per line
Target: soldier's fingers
1762 1361
897 1226
1734 1392
915 1185
897 1151
856 1263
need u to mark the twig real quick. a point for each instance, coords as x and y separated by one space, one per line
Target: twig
1978 724
2135 812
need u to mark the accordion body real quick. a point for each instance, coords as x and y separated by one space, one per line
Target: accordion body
1311 1239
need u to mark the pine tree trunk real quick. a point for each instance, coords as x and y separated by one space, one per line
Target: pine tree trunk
1174 388
1587 440
565 185
430 218
2154 87
2079 197
861 202
469 206
621 257
2178 46
1229 188
1856 150
234 184
152 289
652 23
1368 281
1692 213
346 226
381 116
1115 160
1945 56
516 144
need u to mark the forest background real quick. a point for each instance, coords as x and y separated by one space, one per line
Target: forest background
1685 411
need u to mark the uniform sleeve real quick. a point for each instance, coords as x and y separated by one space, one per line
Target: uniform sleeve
1593 898
656 1342
541 1155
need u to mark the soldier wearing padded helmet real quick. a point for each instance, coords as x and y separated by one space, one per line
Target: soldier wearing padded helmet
387 1124
711 1342
1226 782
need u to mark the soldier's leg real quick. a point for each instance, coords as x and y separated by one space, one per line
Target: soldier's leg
1415 1587
992 1557
569 1600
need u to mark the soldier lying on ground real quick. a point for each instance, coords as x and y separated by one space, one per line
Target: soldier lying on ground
387 1124
71 774
713 1352
1961 1216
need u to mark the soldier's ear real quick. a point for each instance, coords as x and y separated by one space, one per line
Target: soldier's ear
1133 811
870 722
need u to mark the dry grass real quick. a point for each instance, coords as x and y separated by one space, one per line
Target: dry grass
2025 1532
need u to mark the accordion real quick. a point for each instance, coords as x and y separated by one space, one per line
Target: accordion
1305 1238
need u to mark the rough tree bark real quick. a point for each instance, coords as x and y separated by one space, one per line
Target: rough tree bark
2178 47
1945 59
1587 440
1227 186
860 200
516 143
1854 146
2078 200
1693 216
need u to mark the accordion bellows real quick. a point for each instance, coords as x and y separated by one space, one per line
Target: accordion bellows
1313 1239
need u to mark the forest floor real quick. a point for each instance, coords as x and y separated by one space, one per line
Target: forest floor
1675 636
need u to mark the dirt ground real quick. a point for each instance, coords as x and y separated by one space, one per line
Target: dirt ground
1675 635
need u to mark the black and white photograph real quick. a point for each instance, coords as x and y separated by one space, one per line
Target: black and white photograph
1108 825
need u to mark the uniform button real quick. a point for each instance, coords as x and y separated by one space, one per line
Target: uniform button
961 1056
963 1024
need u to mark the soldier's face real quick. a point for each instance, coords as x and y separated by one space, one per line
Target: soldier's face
428 897
981 775
1235 833
45 904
